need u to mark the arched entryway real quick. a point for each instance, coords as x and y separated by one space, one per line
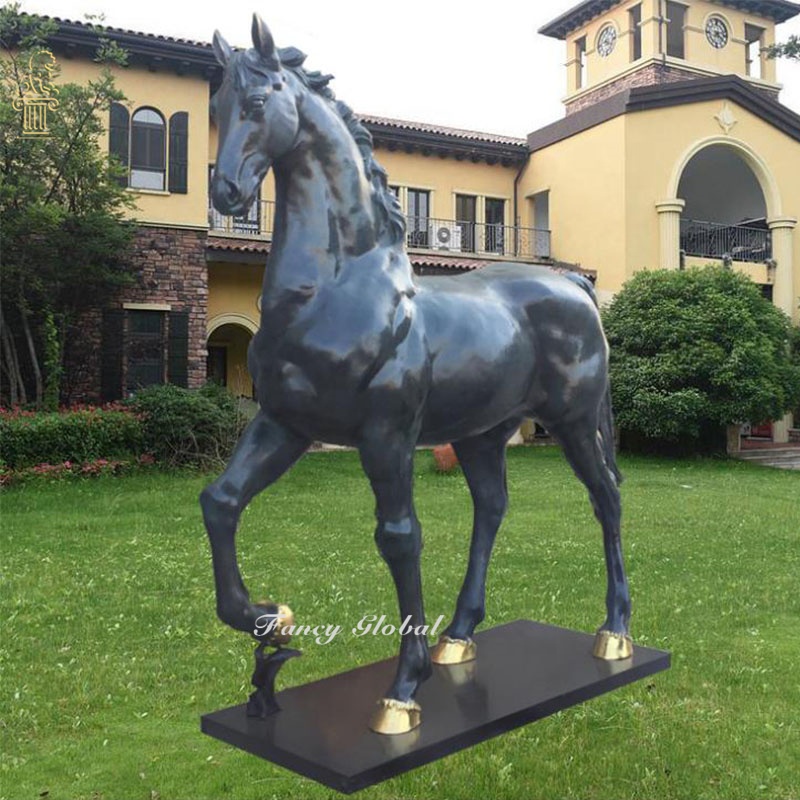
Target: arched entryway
723 204
725 213
226 364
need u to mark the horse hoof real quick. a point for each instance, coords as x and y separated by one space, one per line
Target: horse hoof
612 646
395 716
454 651
285 619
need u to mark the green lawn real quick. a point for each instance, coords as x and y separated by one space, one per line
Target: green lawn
111 649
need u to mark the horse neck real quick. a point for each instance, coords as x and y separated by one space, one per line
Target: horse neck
323 212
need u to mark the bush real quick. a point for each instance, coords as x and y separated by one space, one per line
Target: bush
71 435
183 427
694 351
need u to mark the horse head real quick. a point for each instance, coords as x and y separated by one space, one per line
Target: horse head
255 110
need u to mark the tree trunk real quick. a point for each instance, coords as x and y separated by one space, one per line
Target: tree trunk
17 391
37 372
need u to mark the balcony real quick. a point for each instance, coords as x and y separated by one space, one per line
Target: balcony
258 221
423 233
747 243
476 238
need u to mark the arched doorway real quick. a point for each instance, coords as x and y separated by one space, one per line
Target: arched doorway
226 363
726 213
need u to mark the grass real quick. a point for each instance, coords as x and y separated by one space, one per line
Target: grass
111 650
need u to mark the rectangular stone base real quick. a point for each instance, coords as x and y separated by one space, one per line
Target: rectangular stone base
524 671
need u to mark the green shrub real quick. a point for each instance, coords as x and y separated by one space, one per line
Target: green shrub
80 435
694 351
188 427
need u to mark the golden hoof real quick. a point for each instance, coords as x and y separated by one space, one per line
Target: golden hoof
454 651
395 716
612 646
285 620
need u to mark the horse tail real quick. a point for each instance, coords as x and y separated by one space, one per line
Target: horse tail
606 415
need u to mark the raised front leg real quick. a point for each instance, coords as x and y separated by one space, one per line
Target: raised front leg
388 463
265 451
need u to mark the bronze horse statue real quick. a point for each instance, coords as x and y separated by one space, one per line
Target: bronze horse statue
354 349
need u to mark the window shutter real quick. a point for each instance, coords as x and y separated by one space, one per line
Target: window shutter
178 152
111 355
118 136
178 349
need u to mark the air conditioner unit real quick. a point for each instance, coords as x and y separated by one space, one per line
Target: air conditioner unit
445 236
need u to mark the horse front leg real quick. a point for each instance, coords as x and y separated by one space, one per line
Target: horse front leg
264 452
388 463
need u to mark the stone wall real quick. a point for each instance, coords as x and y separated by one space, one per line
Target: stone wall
651 75
170 268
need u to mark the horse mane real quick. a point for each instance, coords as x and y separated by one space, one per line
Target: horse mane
390 222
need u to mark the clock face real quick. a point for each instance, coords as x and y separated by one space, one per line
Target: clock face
717 32
607 40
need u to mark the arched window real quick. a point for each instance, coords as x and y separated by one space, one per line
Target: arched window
140 145
148 149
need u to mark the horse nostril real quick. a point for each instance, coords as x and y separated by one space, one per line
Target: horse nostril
225 190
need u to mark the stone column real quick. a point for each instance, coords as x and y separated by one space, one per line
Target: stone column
784 292
669 218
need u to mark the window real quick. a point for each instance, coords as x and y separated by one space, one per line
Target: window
419 204
143 348
141 141
580 62
541 224
146 348
466 207
754 37
495 225
635 21
676 19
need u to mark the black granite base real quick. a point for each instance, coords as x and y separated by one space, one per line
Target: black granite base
524 671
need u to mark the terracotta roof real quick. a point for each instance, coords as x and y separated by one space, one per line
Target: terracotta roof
237 245
123 31
446 262
573 18
457 133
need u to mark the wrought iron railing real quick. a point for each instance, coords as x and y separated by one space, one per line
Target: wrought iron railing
476 238
715 240
428 233
258 221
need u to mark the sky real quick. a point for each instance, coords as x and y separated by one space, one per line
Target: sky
480 66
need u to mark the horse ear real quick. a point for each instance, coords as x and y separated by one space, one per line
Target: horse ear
263 41
222 50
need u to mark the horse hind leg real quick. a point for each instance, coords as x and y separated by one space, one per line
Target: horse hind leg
584 449
483 462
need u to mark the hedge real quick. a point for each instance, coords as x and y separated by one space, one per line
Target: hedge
71 435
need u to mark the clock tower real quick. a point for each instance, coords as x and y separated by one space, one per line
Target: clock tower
613 45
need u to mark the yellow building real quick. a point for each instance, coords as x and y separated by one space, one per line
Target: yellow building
674 150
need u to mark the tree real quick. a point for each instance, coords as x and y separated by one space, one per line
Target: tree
788 49
696 350
65 239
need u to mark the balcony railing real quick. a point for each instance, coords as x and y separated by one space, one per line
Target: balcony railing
427 233
476 238
257 222
715 240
